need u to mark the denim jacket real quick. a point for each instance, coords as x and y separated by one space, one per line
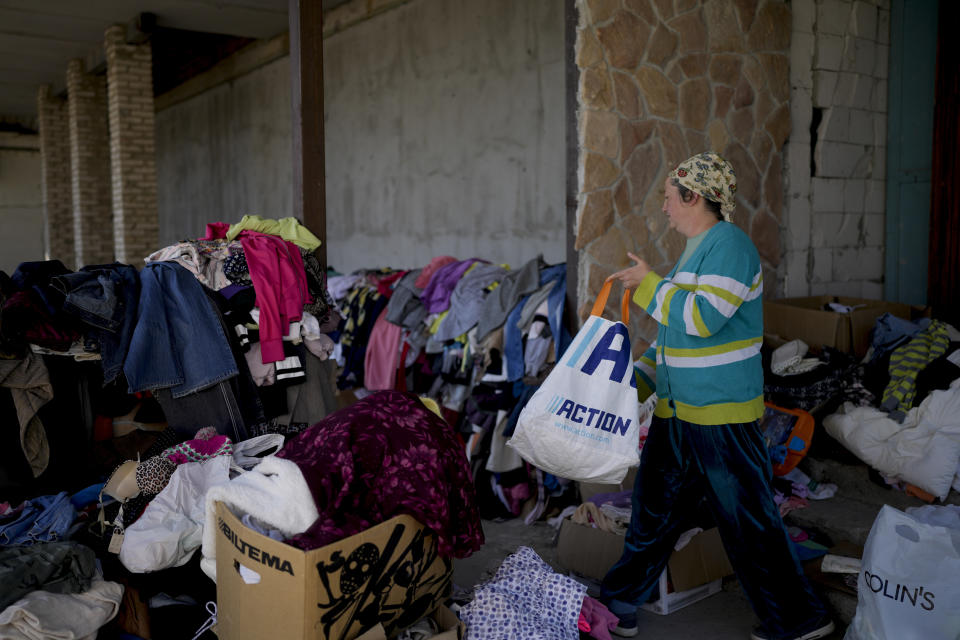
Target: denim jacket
105 297
43 519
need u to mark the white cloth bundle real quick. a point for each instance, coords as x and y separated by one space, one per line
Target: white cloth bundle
274 492
41 615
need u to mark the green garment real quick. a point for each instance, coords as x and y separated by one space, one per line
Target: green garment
289 229
692 244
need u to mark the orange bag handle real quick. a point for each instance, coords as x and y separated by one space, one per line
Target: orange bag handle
601 302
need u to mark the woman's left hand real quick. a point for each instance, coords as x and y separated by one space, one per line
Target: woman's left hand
631 277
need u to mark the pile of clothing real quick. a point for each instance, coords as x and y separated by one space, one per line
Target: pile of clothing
135 392
795 489
477 337
54 590
386 455
144 397
272 304
479 311
894 409
527 599
227 331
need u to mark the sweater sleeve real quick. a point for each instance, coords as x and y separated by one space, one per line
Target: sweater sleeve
645 370
264 265
701 304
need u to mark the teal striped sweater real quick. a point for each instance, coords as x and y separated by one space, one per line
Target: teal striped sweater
705 363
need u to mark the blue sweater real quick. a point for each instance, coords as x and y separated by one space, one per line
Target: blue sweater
705 363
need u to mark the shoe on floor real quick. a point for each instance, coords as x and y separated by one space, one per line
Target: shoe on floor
627 627
821 629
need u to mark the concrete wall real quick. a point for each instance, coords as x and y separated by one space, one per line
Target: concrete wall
834 240
444 135
21 206
225 153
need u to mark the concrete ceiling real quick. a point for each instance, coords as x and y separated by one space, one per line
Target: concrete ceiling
39 37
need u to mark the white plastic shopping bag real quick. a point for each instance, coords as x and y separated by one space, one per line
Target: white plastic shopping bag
582 423
909 584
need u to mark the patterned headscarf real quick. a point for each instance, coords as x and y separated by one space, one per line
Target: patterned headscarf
712 177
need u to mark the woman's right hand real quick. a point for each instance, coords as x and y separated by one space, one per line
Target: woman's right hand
631 277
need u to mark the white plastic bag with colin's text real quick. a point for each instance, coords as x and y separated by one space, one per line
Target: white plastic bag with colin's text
909 585
582 423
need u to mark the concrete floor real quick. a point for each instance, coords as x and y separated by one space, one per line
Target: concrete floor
846 519
723 616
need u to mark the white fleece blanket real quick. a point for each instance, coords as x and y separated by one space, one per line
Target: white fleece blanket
41 615
923 451
274 492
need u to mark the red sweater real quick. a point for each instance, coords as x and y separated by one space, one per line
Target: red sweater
276 269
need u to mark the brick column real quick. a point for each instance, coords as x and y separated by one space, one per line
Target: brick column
89 165
55 178
132 147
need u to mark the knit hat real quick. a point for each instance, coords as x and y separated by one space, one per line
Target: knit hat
207 444
709 175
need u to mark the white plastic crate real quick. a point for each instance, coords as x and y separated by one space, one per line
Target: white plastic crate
670 602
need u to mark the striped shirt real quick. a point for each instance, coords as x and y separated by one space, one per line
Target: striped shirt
705 363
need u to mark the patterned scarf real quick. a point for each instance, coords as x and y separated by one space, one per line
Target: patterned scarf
709 175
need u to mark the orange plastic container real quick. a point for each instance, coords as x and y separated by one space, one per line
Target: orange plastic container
797 441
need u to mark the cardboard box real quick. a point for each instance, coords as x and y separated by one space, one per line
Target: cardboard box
345 398
700 562
806 319
451 628
390 574
694 572
587 551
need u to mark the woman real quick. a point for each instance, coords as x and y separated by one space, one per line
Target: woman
705 439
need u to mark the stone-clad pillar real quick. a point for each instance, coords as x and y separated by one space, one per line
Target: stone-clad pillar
132 147
55 176
89 165
659 82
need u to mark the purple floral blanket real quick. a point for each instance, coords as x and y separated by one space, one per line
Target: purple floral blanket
384 456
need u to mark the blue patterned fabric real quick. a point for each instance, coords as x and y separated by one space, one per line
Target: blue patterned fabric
513 336
525 599
235 268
